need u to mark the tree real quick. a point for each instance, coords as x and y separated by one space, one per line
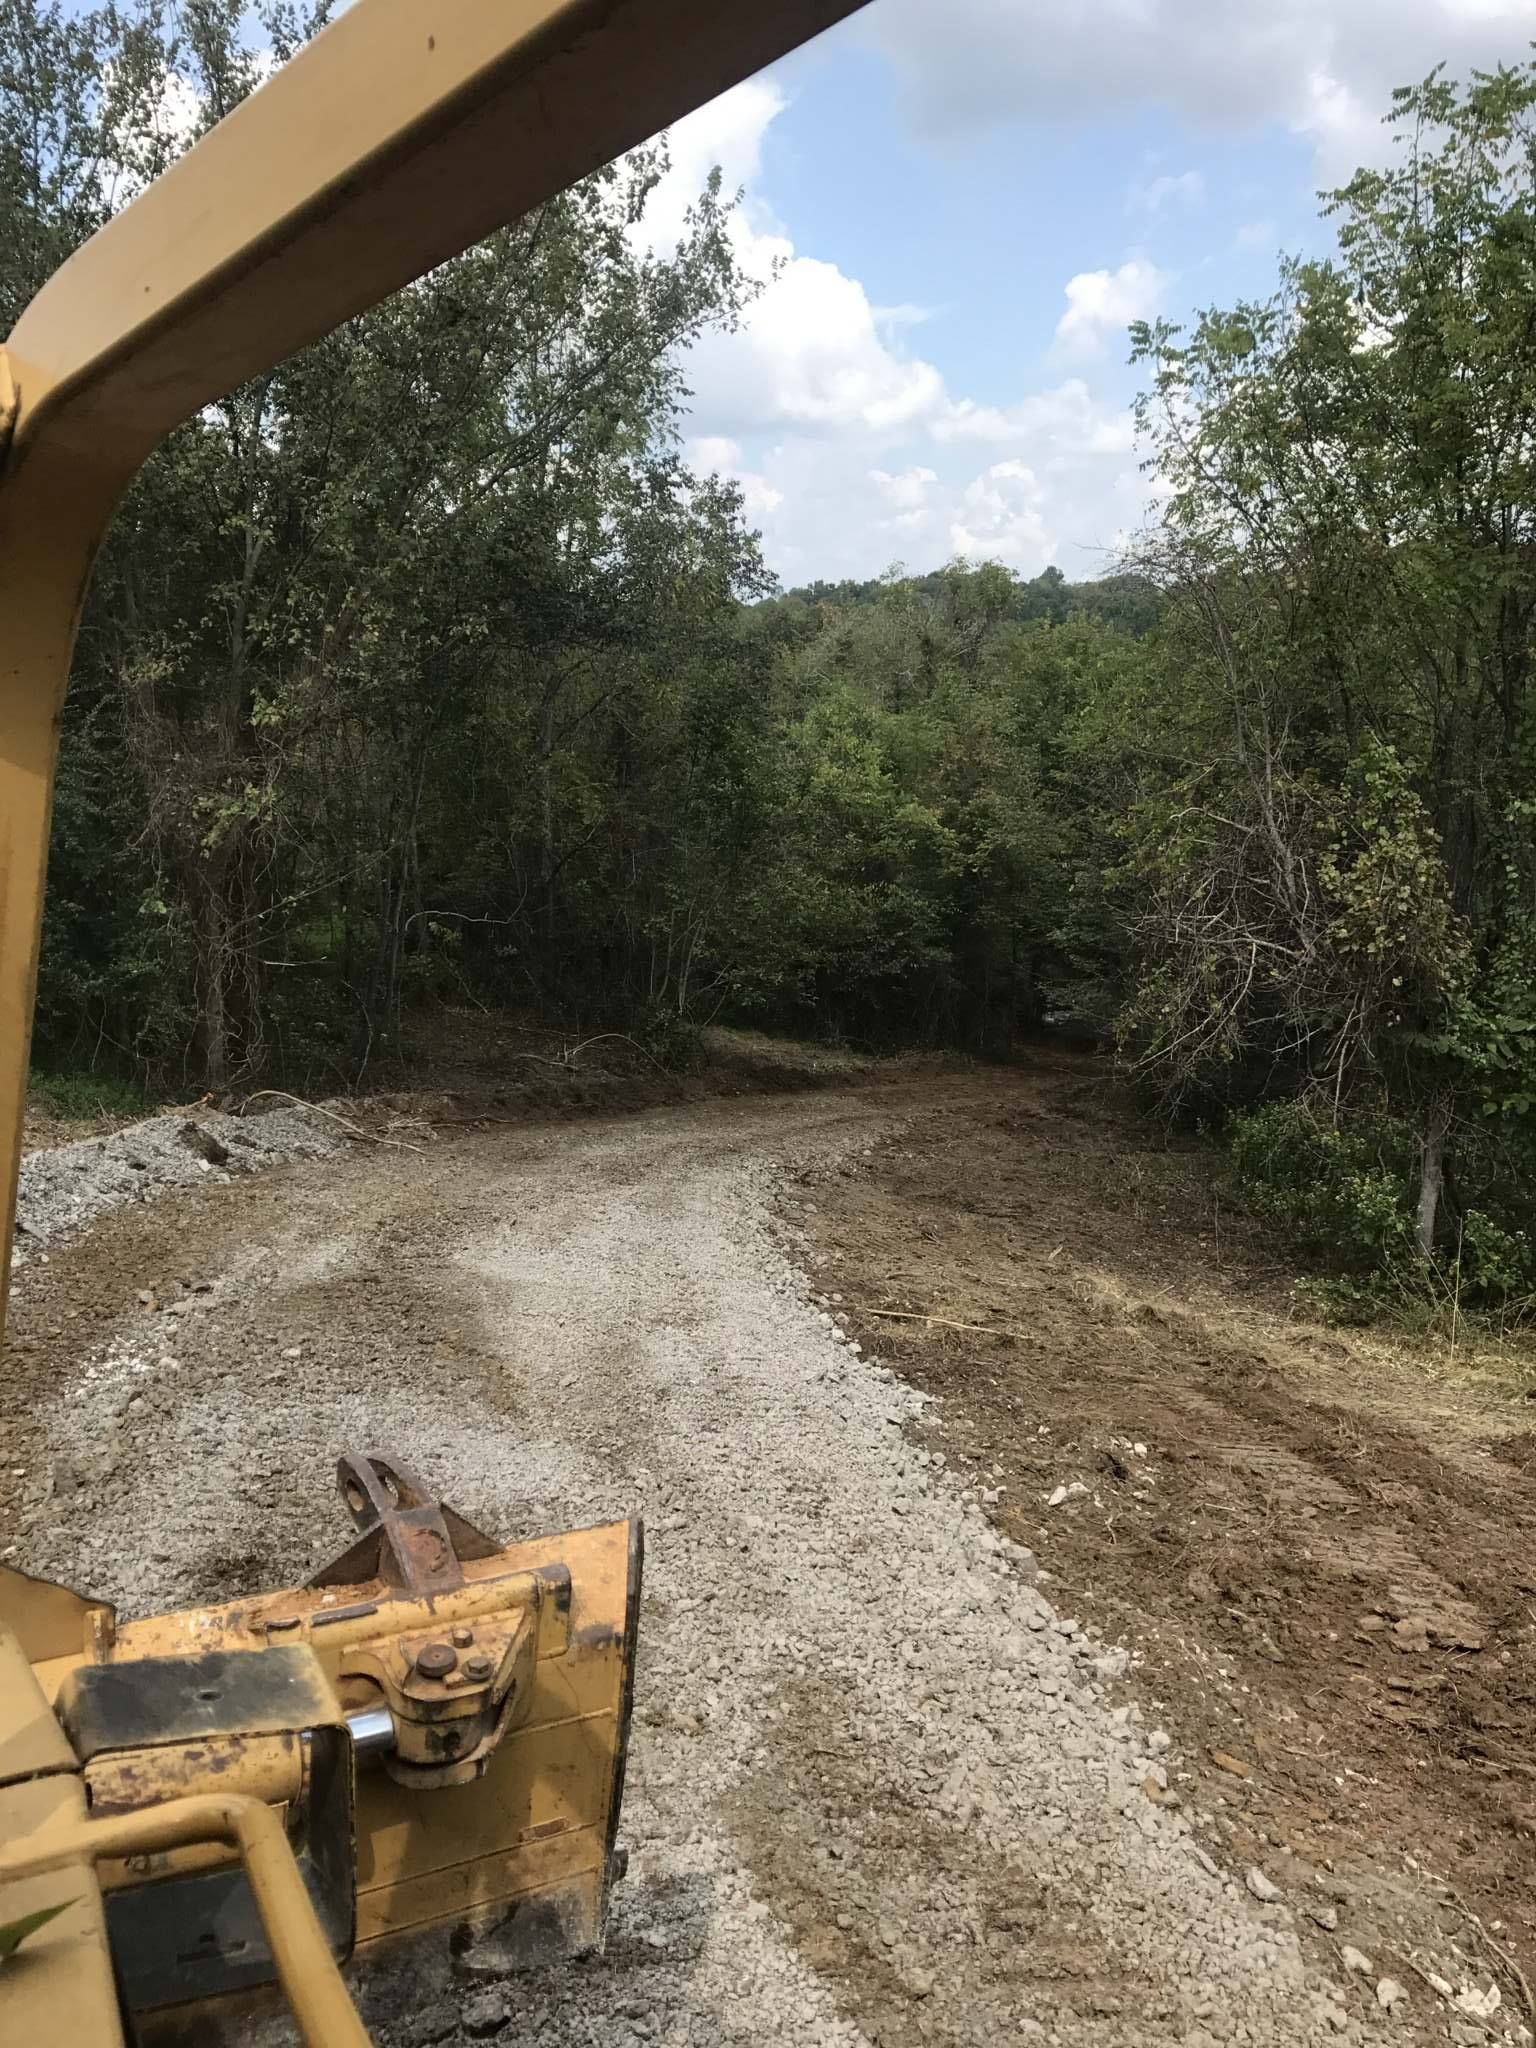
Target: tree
457 522
1342 870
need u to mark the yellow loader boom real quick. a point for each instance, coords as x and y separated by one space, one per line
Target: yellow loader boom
179 1797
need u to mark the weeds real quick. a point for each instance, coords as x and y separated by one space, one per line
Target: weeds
1345 1194
81 1095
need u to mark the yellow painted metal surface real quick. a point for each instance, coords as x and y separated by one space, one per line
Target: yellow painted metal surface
395 139
59 1983
48 537
268 1767
32 1744
58 1986
68 1846
541 1817
48 1620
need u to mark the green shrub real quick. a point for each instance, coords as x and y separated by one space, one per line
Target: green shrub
1496 1261
673 1041
1344 1192
87 1095
1349 1196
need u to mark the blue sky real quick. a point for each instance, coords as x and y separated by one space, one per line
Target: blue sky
968 201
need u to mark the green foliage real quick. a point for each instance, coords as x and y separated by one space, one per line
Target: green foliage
14 1932
425 670
1333 860
923 792
81 1095
1499 1260
1345 1193
672 1040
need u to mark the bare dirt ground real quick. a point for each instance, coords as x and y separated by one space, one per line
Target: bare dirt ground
1321 1551
891 1783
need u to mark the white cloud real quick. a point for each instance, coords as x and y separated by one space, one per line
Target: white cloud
718 454
1058 479
1001 518
727 132
1343 122
1066 419
710 452
903 315
1324 68
850 448
906 491
760 499
810 352
1101 303
1160 194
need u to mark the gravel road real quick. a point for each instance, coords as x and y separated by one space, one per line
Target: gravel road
882 1791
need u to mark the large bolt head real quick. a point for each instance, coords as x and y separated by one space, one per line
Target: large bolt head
436 1660
480 1666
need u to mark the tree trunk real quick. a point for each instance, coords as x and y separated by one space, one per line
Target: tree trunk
547 835
1026 1001
1432 1178
214 1024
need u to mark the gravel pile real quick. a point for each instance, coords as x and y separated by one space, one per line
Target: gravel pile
62 1189
882 1791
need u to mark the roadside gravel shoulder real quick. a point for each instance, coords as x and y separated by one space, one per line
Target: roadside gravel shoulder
66 1187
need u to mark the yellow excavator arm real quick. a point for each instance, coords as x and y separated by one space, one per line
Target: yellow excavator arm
434 1731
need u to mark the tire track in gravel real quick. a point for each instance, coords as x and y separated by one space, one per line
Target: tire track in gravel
878 1792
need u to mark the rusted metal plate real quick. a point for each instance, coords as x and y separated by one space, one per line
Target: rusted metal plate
406 1537
150 1702
273 1768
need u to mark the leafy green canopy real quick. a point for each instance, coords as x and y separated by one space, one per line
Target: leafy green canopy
1333 848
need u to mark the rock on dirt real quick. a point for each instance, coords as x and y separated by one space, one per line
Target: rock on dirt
486 2013
432 2024
65 1188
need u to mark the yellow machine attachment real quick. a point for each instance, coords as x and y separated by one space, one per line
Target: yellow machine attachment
431 1733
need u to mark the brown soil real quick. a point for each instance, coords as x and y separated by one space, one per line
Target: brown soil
1321 1551
462 1066
43 1127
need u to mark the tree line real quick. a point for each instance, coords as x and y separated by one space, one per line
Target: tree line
426 670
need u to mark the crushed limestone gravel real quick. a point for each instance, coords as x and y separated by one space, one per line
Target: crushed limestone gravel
70 1185
882 1789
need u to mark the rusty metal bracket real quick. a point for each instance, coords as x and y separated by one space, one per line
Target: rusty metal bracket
406 1538
451 1691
